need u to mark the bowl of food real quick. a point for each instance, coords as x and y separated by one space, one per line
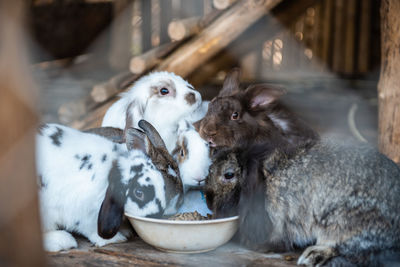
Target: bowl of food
185 232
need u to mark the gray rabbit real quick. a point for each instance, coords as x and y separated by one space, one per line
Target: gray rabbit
340 202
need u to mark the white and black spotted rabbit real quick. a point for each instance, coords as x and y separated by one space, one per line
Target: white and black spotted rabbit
87 182
340 202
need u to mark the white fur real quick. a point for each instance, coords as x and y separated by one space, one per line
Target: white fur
163 112
195 166
72 190
279 122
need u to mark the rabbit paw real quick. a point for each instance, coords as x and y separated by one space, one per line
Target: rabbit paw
316 255
99 242
58 240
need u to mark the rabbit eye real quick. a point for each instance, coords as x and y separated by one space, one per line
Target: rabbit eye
235 116
182 153
229 175
139 194
164 91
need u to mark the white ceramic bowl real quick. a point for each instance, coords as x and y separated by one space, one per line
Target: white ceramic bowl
184 236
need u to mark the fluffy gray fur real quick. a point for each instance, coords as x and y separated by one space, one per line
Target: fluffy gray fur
341 202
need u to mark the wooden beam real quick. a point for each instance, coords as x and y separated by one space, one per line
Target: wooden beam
364 37
222 4
183 28
151 58
350 38
389 82
217 36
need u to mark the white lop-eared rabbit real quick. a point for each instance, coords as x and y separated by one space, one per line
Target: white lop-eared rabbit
87 182
162 99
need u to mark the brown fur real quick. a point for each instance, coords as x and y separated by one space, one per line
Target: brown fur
260 117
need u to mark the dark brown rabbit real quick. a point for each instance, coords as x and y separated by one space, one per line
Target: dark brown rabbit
239 117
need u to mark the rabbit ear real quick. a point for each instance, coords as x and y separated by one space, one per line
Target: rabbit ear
158 151
136 139
153 135
255 224
261 95
111 212
114 134
134 113
231 83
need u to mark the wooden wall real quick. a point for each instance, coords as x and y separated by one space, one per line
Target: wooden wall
331 35
20 235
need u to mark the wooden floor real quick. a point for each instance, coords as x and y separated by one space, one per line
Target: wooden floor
137 253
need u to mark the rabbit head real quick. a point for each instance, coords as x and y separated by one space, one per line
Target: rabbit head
222 187
139 186
161 98
236 117
192 154
165 163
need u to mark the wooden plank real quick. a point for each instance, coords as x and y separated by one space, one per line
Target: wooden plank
138 253
388 87
183 28
350 37
20 234
338 34
364 37
222 4
326 48
145 62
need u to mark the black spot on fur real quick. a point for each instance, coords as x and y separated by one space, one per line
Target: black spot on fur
56 137
137 168
41 183
85 161
148 191
77 223
104 158
190 98
41 128
115 148
160 210
147 179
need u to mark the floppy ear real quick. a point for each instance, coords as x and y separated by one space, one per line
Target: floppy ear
110 215
134 113
260 96
114 134
136 139
231 83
